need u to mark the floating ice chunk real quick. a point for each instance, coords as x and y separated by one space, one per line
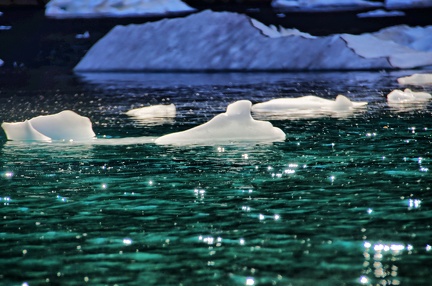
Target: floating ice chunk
161 110
66 125
392 4
236 124
113 8
323 5
84 35
407 96
306 106
23 131
416 79
154 114
381 13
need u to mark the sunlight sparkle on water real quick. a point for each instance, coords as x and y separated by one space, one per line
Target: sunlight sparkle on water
414 203
250 281
127 241
364 280
8 175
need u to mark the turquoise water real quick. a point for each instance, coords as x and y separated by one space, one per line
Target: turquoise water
343 201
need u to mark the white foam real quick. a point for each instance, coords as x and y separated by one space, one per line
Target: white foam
416 79
236 124
66 125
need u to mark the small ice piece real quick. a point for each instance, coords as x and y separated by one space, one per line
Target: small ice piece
380 13
416 79
84 35
308 105
66 125
153 111
236 124
407 96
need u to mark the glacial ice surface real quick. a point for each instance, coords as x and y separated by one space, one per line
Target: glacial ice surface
236 124
66 125
207 41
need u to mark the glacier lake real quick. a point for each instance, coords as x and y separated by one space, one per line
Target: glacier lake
344 200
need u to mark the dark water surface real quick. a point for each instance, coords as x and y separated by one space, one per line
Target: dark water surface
343 201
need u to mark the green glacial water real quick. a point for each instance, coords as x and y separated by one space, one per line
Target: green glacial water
342 201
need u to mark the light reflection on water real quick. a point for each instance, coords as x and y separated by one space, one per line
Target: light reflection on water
340 202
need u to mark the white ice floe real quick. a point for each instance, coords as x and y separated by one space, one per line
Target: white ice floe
323 5
236 124
66 125
380 13
407 96
306 107
154 114
208 41
113 8
399 4
416 79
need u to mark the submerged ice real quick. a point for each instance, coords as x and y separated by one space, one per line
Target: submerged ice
236 124
66 125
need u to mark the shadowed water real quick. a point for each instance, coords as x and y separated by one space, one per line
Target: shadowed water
343 201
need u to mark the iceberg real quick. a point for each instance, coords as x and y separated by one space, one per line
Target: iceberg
207 41
113 8
306 107
398 4
66 125
154 114
416 79
236 124
407 96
